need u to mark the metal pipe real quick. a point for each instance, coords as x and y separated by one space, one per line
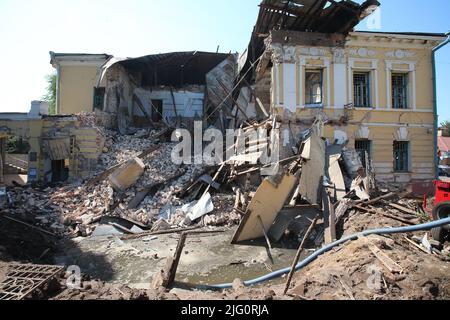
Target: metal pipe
435 105
308 260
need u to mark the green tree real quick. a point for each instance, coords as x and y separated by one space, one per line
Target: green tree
446 127
50 96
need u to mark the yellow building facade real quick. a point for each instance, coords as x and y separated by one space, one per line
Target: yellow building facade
79 86
380 83
57 143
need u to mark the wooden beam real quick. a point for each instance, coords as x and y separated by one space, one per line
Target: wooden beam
403 209
329 218
261 223
299 253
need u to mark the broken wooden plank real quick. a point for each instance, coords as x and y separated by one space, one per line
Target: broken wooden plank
299 253
176 260
347 288
390 264
374 201
209 180
417 246
216 176
329 218
156 233
373 211
30 226
343 206
261 106
402 209
261 223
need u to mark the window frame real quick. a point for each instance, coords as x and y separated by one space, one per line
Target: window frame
369 149
368 76
406 91
406 166
309 103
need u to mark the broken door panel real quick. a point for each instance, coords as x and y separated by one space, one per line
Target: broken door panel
267 203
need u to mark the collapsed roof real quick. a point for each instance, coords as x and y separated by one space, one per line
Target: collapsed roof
174 69
324 16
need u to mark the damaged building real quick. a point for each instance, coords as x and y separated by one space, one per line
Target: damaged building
373 89
58 148
164 88
350 114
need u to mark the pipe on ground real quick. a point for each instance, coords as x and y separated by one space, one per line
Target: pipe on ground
307 261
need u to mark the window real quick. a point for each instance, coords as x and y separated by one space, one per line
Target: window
314 87
32 157
364 147
157 110
99 98
400 91
361 86
401 156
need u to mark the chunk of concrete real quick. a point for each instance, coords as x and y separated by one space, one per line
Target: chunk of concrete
127 175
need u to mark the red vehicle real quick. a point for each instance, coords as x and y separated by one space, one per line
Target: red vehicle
441 209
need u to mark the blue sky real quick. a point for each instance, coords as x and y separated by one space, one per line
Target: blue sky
29 29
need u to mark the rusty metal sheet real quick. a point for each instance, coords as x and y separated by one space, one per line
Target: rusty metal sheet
23 279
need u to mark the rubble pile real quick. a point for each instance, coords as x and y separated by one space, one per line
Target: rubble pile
138 191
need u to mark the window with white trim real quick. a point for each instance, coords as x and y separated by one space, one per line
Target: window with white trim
401 156
364 149
361 90
400 91
314 87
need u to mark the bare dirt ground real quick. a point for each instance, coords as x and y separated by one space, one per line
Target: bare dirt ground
350 271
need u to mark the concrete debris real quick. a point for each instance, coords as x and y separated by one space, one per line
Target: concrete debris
198 209
127 175
137 192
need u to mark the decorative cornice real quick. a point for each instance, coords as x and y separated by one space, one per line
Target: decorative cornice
400 54
362 52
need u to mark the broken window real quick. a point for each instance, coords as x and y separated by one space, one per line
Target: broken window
401 156
361 85
364 149
157 110
314 87
400 91
99 98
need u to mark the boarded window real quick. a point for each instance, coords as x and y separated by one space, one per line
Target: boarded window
364 149
314 87
399 91
361 86
401 156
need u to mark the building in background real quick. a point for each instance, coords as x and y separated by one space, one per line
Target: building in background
37 147
77 85
373 89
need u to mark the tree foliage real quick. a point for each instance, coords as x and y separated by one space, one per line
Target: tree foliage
446 127
50 96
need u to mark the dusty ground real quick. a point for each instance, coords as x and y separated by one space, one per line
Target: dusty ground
350 271
19 243
206 259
